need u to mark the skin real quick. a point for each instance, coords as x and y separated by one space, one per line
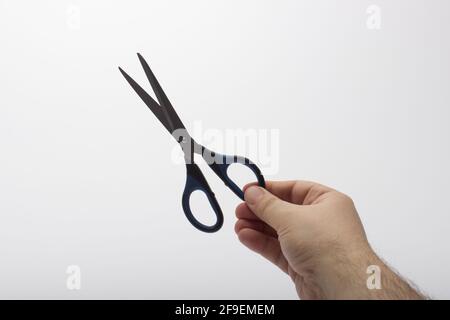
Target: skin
314 234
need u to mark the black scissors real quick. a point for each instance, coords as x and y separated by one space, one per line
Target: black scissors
217 162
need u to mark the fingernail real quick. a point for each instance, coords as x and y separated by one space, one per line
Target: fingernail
253 194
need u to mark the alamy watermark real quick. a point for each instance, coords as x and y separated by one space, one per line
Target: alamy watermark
73 17
262 146
374 280
73 281
373 21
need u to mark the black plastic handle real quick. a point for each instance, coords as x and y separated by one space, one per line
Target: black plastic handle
220 163
196 181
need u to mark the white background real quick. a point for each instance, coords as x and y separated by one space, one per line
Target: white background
86 175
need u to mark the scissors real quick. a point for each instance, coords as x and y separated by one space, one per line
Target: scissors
195 180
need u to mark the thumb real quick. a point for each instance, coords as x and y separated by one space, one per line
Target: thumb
268 207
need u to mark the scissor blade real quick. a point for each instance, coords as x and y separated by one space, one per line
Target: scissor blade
149 101
161 96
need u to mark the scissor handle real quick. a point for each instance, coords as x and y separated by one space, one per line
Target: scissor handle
196 181
221 164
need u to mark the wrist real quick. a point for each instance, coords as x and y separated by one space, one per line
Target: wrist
360 274
343 273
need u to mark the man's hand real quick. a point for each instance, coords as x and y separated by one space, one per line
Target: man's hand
314 234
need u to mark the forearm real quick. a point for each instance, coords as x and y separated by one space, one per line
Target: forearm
363 275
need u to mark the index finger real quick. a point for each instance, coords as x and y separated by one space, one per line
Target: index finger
296 191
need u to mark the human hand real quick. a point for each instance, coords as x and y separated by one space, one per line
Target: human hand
314 234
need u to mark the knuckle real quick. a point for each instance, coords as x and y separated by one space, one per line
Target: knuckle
344 200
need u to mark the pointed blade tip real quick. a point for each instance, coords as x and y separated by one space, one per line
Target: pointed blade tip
142 60
124 73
